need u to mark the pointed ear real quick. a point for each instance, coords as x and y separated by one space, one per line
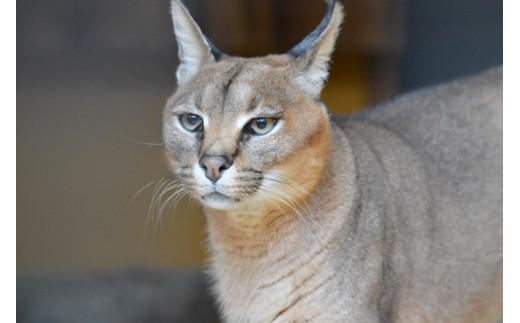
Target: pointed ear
312 54
195 49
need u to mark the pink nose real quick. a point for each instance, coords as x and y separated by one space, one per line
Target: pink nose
214 166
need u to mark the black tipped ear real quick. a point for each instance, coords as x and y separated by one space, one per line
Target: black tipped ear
312 54
195 49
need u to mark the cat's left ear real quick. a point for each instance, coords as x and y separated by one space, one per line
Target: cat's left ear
312 55
195 49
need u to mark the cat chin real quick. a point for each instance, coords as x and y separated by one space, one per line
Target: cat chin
219 201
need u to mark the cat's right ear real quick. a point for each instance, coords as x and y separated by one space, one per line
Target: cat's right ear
312 55
195 49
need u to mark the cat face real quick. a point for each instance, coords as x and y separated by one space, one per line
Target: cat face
245 132
230 132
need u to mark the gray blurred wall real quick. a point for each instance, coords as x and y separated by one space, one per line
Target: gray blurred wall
451 38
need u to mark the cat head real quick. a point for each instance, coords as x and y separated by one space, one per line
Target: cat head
243 132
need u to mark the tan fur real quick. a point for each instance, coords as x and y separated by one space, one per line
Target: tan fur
234 225
332 220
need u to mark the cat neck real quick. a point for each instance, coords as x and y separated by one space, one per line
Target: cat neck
256 265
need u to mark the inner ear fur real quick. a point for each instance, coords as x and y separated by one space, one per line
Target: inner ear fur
312 55
194 48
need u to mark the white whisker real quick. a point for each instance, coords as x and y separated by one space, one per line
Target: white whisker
142 142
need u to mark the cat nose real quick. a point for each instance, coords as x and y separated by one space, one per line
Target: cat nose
214 166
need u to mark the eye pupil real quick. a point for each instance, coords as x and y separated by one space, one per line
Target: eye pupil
261 123
193 119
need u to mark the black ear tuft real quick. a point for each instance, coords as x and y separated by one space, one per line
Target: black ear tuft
313 37
215 52
312 55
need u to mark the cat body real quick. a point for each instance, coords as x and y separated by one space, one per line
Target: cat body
390 215
411 205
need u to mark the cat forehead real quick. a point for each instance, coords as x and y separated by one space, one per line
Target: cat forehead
233 69
234 84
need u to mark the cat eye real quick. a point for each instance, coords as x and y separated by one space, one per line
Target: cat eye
261 126
191 122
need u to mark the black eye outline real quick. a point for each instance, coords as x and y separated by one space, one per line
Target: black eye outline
191 122
253 127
